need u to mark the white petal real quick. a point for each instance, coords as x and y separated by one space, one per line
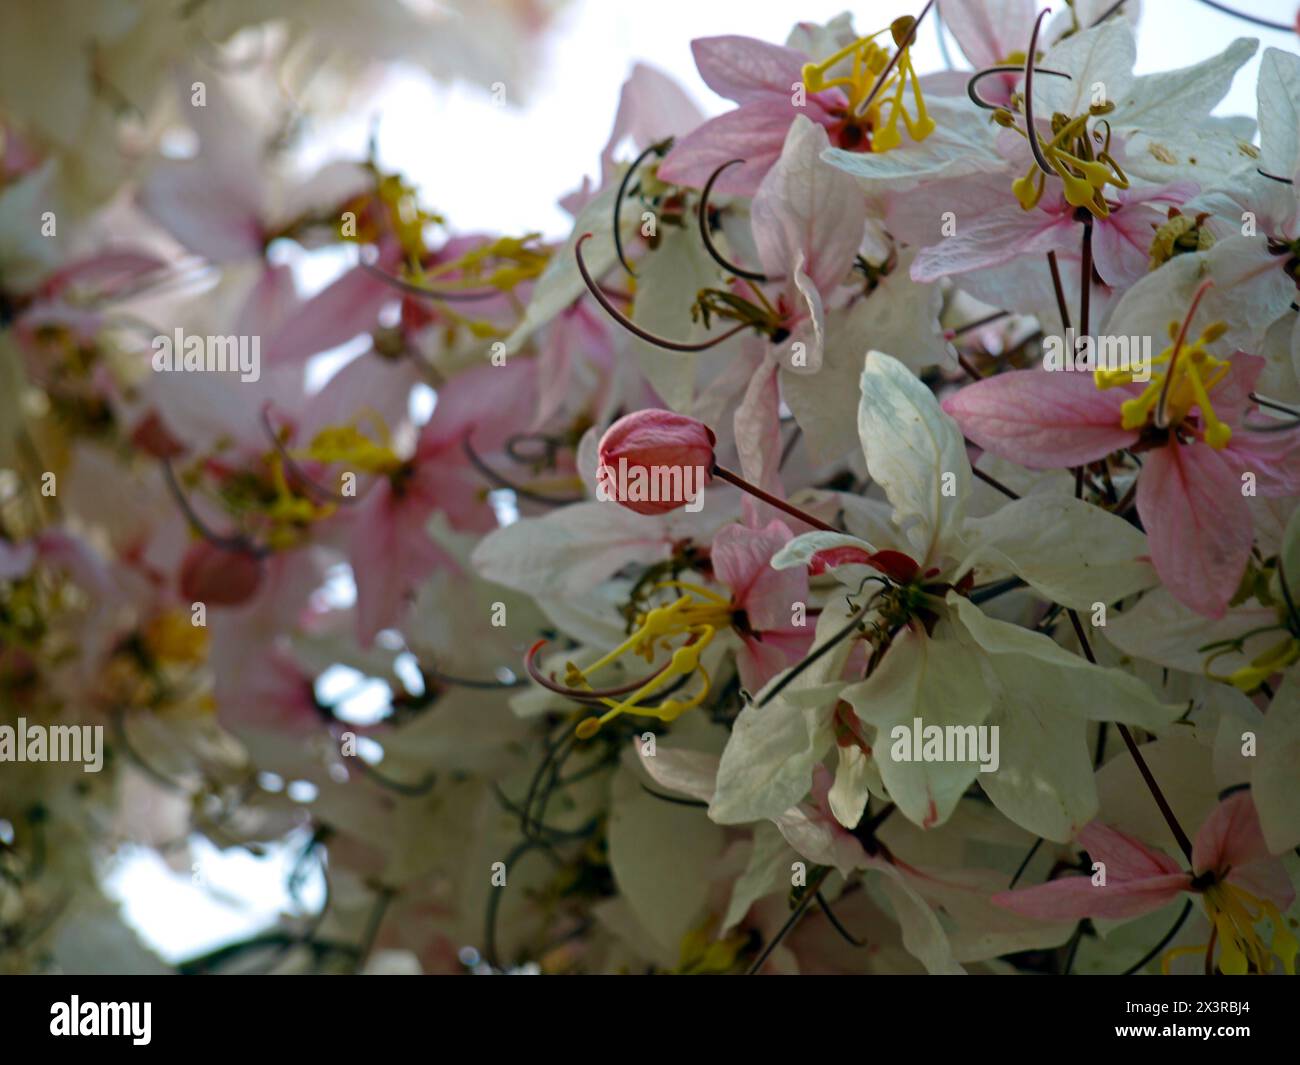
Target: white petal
1069 551
913 452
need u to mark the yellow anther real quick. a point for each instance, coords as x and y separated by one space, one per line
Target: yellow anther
1263 666
1236 914
1029 189
870 61
512 260
1189 375
696 619
1070 155
346 443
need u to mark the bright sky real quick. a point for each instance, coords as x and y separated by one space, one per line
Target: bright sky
509 165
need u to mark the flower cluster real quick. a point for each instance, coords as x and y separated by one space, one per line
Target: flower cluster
867 543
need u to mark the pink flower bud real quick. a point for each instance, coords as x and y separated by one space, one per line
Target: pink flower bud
655 461
219 576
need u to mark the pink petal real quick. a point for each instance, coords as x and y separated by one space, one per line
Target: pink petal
745 69
650 107
1075 897
348 307
807 215
992 239
742 560
754 132
391 554
1266 879
989 30
757 425
1125 857
1121 243
1198 524
1120 251
1230 836
758 661
1041 419
493 401
1274 459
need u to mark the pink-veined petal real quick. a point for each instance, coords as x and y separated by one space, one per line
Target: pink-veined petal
988 31
1077 897
1041 419
745 69
1126 858
1198 524
754 132
1230 836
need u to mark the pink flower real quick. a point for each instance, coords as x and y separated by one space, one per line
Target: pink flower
391 551
1239 882
773 84
1189 498
763 600
762 78
649 439
219 576
1006 231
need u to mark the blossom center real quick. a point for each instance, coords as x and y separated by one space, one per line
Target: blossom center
875 107
1182 377
694 618
1235 915
1085 168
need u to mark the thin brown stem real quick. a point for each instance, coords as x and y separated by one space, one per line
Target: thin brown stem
1166 810
993 482
1062 307
631 326
714 254
746 486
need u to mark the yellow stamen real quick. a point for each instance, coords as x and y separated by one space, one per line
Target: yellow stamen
697 620
702 953
347 444
1182 378
869 62
1070 155
1235 912
1274 660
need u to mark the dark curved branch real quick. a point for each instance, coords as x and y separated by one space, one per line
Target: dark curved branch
714 254
1164 942
1001 68
298 473
413 289
631 326
476 460
1030 131
654 149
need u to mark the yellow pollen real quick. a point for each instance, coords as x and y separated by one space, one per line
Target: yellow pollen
697 616
701 953
501 264
869 62
1070 155
170 637
1274 660
1235 913
347 444
1183 376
